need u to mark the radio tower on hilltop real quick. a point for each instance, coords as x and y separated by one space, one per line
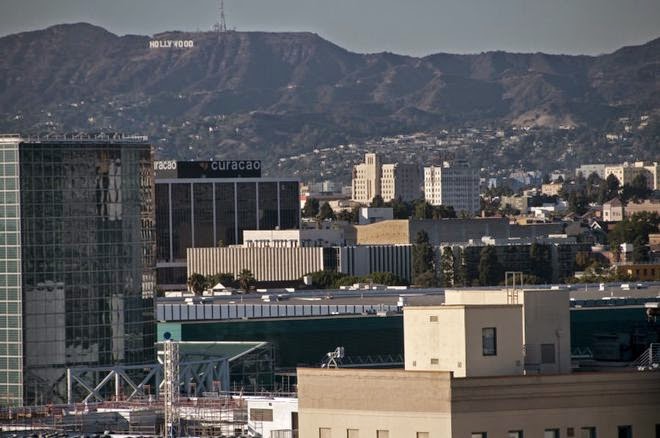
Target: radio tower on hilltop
221 25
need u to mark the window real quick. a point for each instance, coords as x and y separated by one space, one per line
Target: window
489 341
551 433
588 432
479 435
515 434
324 432
261 414
422 435
352 433
382 434
547 353
433 318
434 361
625 432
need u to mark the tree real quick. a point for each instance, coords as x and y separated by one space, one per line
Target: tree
422 257
638 226
326 212
386 278
541 262
197 283
426 279
611 187
423 210
460 269
246 280
377 202
347 215
640 250
577 203
636 190
443 211
447 266
400 209
311 208
490 269
326 279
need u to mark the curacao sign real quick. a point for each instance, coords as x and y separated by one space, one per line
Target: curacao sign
168 44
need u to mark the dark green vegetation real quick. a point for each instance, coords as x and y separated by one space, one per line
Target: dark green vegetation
334 279
267 95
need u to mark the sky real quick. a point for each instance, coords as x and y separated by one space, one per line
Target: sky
411 27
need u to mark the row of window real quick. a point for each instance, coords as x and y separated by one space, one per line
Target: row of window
584 432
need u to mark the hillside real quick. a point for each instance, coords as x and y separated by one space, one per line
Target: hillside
252 93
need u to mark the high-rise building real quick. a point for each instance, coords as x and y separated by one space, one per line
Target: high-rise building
76 260
452 184
390 181
366 179
205 204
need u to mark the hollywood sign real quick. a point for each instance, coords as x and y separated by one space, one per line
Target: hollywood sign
166 44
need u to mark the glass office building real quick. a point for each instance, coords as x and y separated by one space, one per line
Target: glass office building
77 259
197 207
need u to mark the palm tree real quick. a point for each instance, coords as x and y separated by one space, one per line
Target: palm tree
245 280
197 282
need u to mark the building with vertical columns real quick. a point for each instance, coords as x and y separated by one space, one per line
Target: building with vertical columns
202 204
76 260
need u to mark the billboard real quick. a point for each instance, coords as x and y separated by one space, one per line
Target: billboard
208 169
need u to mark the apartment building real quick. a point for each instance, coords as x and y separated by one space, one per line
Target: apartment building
626 172
390 181
453 184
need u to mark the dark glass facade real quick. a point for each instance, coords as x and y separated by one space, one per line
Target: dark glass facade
87 258
205 212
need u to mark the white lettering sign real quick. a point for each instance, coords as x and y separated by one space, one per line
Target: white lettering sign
167 44
164 165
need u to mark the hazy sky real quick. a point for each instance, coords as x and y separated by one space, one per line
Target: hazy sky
415 27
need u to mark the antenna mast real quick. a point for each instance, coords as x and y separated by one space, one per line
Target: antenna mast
222 24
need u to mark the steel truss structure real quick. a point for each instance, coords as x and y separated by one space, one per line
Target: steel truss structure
100 384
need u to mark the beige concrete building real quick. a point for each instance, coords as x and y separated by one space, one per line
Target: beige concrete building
467 375
452 184
390 181
294 238
613 210
366 179
266 264
626 172
551 189
339 403
648 205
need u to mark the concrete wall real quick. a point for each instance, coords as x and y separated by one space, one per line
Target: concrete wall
400 402
406 402
449 338
545 319
282 409
266 264
383 233
509 358
535 403
434 333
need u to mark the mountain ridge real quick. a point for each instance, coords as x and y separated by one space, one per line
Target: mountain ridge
284 92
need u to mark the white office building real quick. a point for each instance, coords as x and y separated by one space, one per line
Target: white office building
452 184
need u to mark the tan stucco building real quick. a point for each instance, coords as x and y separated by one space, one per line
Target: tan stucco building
390 181
473 370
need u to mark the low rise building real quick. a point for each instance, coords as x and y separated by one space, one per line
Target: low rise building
552 189
626 172
613 210
305 237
